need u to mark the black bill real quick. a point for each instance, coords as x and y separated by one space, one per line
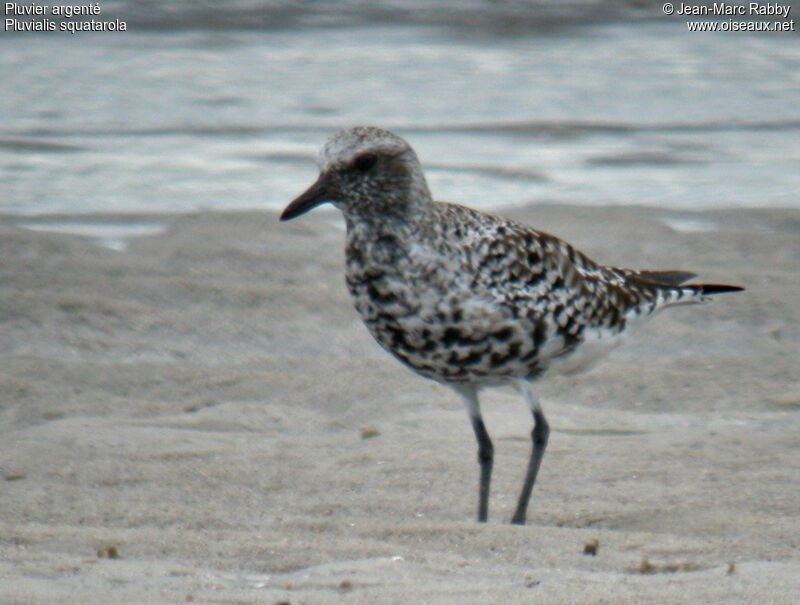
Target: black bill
310 198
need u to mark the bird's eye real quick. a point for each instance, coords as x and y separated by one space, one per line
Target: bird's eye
365 162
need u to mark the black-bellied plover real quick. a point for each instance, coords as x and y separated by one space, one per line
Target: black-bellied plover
470 299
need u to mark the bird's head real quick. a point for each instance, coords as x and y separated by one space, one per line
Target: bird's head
365 171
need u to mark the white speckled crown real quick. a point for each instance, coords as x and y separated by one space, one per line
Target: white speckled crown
346 144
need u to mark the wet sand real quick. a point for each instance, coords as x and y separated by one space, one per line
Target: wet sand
202 417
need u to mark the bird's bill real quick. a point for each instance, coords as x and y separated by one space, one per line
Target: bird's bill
310 198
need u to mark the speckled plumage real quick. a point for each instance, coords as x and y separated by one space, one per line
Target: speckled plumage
470 299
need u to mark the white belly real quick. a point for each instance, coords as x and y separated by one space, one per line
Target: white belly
596 344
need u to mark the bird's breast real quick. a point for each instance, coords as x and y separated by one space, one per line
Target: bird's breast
422 307
386 281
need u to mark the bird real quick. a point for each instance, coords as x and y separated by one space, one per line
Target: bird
472 300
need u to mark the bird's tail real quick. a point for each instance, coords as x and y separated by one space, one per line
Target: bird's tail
696 293
661 289
709 289
693 293
676 278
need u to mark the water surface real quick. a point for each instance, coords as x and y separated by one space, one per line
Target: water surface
188 116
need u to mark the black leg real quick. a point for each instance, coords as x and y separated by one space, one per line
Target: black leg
541 430
485 459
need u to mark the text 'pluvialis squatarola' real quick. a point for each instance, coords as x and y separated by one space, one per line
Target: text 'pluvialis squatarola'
469 299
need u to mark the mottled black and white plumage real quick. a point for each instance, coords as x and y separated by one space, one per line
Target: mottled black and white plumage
470 299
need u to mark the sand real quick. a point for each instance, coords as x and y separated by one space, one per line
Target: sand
202 418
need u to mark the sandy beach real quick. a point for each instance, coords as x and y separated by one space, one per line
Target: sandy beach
201 417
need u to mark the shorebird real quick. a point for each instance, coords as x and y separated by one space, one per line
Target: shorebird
473 300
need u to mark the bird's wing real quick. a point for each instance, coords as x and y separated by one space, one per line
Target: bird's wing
546 279
538 275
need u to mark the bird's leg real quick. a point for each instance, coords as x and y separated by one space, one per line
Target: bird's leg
541 431
485 459
485 449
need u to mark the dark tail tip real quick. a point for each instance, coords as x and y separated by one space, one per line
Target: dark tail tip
717 288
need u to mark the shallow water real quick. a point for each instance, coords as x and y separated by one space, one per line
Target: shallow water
107 233
625 111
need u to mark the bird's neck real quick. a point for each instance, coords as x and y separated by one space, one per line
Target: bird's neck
398 217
